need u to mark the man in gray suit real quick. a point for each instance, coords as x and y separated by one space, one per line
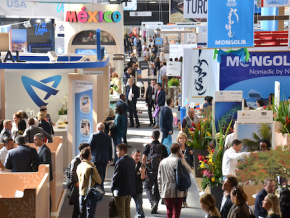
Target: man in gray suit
32 130
6 132
19 159
44 152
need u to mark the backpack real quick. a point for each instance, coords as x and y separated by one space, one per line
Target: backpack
183 181
155 156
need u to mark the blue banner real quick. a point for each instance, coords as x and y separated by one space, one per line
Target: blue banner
83 112
256 78
230 23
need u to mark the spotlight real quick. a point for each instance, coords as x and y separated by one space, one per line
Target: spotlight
27 24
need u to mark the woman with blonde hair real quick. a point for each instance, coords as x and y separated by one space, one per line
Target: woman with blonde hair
43 123
207 203
110 116
240 207
272 205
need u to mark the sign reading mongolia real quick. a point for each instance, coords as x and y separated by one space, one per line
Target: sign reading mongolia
256 78
230 23
92 16
195 9
275 3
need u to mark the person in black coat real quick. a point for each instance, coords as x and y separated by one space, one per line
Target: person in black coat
159 102
285 203
19 159
166 119
101 150
44 152
149 99
226 203
269 187
132 94
123 182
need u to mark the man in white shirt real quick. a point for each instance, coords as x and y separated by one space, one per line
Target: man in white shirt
8 145
231 157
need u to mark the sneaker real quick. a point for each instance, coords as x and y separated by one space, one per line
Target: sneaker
156 127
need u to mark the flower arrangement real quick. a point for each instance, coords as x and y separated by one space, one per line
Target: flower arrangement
173 82
63 109
211 164
261 165
200 134
282 115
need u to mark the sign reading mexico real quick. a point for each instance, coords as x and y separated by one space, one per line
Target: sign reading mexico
92 16
230 23
195 9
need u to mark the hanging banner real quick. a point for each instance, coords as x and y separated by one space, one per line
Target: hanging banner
275 3
256 78
83 111
198 74
195 9
230 23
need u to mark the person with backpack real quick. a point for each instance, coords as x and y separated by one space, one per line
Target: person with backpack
152 155
72 181
174 180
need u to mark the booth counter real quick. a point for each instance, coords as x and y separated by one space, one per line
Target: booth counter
35 200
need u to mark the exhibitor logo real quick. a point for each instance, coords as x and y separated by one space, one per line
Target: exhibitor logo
29 85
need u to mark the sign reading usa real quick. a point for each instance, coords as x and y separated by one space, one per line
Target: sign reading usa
230 23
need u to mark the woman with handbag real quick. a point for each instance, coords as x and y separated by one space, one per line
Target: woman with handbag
88 177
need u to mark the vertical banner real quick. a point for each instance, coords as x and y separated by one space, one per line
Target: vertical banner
195 9
198 76
83 112
230 23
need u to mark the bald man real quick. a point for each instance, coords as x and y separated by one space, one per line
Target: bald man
101 147
189 119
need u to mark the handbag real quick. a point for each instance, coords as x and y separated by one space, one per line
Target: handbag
156 111
94 194
34 164
167 142
112 209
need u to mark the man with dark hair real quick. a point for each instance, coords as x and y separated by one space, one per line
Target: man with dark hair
44 152
226 204
32 130
166 119
167 180
140 177
101 146
20 158
84 172
123 182
149 99
8 145
6 132
132 94
154 149
122 102
159 102
231 157
164 77
74 188
269 188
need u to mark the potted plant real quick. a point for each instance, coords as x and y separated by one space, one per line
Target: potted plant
63 110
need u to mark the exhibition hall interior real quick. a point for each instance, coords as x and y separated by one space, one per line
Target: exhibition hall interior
144 108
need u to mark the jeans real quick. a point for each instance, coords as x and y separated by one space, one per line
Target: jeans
139 208
151 180
123 206
101 167
87 209
173 206
157 116
117 140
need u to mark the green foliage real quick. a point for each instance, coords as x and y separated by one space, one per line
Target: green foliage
282 114
173 82
264 132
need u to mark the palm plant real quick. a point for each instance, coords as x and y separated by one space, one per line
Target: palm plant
264 132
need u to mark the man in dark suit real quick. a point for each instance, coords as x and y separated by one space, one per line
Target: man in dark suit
44 152
122 102
101 147
123 182
269 187
132 94
150 99
159 102
6 132
19 159
166 119
226 204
